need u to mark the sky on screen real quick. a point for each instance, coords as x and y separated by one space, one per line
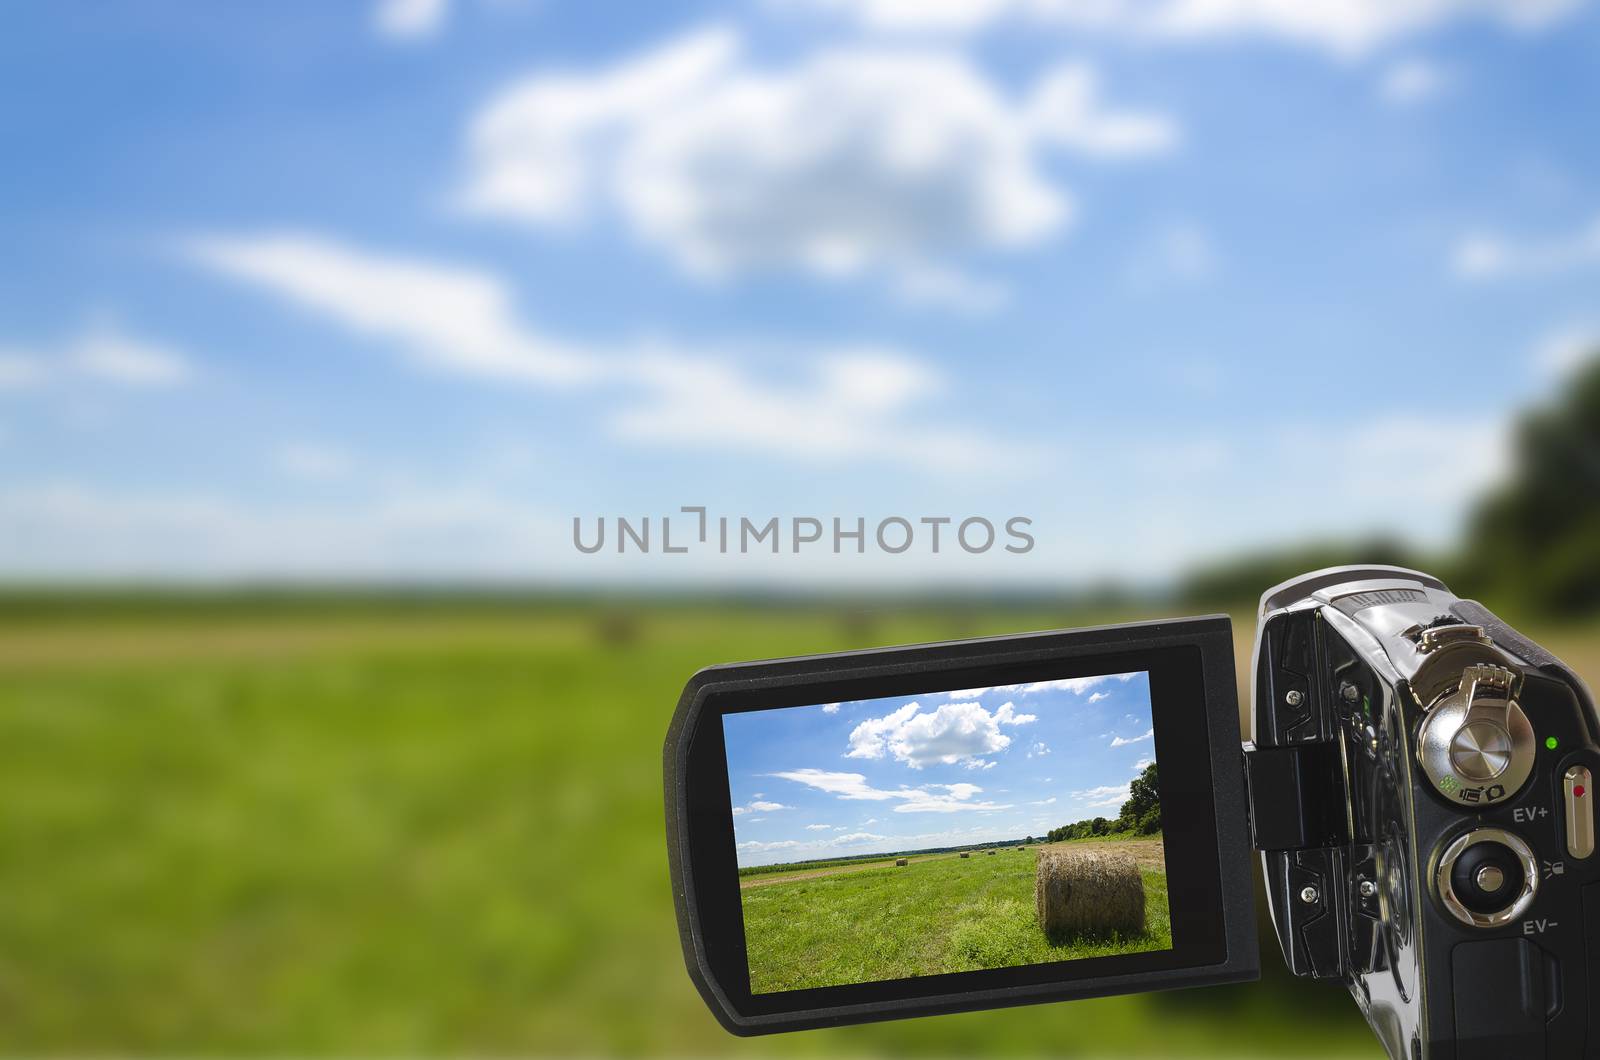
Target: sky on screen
401 287
941 769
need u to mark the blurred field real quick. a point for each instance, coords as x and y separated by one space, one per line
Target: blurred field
326 828
940 913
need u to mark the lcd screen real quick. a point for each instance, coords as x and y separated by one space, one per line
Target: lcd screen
954 831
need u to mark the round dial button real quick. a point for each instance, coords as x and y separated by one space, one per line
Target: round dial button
1480 751
1476 744
1487 877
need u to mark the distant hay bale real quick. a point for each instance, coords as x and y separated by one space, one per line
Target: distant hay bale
989 852
617 629
858 626
965 854
1088 893
902 861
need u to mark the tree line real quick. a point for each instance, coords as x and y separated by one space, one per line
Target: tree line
1140 815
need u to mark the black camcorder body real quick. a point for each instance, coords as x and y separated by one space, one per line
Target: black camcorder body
1048 816
1421 790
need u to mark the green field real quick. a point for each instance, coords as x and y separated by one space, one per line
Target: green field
340 826
936 915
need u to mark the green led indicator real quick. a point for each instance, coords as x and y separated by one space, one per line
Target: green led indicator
1551 742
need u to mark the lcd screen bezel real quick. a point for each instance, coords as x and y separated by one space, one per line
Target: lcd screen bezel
1195 715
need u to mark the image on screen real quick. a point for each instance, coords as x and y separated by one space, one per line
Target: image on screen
948 832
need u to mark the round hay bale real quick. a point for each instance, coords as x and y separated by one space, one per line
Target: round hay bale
902 861
965 854
1090 893
617 629
989 852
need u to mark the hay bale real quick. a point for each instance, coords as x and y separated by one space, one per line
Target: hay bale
617 629
989 852
1089 893
965 854
902 861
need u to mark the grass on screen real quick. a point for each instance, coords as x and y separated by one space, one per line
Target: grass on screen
939 914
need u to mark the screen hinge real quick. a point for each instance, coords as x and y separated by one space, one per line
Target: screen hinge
1296 796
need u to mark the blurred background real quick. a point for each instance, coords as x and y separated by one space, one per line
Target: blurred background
323 325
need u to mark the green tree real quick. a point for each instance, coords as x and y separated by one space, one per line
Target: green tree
1534 542
1142 812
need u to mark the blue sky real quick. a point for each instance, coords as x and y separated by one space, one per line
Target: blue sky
944 769
398 289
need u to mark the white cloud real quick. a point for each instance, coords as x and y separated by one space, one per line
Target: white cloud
1409 82
409 20
1142 764
1107 797
313 461
759 806
855 404
950 733
1098 696
957 798
950 289
1038 750
819 827
830 708
1051 801
446 316
1121 742
839 405
1488 255
870 738
844 785
102 354
1077 685
851 161
1442 473
757 847
66 529
932 798
1007 715
110 355
1345 27
859 837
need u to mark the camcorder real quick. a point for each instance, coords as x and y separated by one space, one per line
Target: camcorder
1048 816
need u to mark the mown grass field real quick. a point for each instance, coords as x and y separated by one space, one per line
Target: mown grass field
939 914
344 826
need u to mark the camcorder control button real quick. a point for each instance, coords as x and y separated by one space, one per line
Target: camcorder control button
1476 744
1487 878
1578 791
1481 750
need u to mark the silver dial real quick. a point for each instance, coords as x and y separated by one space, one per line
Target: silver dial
1476 744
